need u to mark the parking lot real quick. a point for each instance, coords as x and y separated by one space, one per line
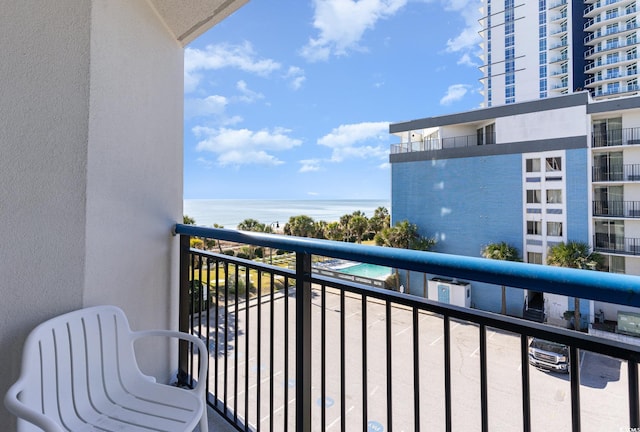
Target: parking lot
603 391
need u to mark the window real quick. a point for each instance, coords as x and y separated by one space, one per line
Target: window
542 45
534 257
533 196
554 196
554 229
611 13
534 227
533 165
554 164
490 133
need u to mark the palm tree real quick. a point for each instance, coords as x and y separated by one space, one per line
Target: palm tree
404 235
576 255
503 252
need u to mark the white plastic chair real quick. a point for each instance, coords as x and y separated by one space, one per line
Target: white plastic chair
79 373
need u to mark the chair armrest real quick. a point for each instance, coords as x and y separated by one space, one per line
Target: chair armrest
14 405
202 349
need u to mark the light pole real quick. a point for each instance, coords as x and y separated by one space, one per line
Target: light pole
277 224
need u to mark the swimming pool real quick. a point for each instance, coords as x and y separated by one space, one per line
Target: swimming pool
367 270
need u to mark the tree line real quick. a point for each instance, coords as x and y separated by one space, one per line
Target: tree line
354 227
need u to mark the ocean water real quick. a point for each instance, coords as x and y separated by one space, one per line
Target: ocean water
229 213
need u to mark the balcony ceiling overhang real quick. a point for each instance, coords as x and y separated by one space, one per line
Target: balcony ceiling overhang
188 19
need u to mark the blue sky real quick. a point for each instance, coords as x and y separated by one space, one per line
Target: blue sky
295 101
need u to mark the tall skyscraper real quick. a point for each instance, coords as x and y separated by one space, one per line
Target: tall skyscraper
563 45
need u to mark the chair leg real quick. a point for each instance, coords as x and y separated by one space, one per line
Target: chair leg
204 421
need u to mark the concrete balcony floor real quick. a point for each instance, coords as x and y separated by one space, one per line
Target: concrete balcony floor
217 423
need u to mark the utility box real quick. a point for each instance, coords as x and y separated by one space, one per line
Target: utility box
449 291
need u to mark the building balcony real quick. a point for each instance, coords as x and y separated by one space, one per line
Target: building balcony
436 144
616 91
620 173
595 81
616 137
592 52
600 64
557 4
293 349
621 209
610 243
599 34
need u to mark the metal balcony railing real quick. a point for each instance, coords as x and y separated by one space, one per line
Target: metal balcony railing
626 209
435 144
291 349
617 173
615 244
616 137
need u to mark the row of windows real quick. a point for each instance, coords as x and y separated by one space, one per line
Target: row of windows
553 228
542 47
554 196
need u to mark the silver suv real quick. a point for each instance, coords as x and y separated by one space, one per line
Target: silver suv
548 355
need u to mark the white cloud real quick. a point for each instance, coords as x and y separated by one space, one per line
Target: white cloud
467 41
361 140
213 57
465 60
454 93
296 77
342 24
211 105
310 165
243 146
247 95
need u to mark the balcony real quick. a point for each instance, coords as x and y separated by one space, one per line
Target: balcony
301 351
616 137
616 91
611 243
436 144
621 173
622 209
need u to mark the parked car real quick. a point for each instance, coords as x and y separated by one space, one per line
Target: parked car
549 355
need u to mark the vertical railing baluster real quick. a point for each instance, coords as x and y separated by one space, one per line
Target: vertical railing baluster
217 334
574 365
259 356
365 395
343 375
271 347
192 313
484 405
526 387
389 368
286 353
447 372
634 402
208 313
323 358
303 342
183 314
247 356
416 372
225 340
235 351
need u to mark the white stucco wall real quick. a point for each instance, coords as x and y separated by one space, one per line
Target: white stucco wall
90 167
44 100
557 123
134 176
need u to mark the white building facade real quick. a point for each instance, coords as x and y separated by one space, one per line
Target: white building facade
546 48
